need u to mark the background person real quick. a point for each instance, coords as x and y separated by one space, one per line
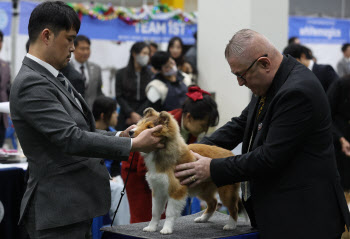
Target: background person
5 85
176 51
287 152
130 85
91 72
167 91
325 73
343 66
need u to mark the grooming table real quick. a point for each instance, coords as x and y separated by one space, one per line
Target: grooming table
185 227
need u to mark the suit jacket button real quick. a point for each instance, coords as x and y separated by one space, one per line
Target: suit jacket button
102 162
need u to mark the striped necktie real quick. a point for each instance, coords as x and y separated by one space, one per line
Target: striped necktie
66 85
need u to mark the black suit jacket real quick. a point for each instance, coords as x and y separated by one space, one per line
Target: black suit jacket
326 75
75 78
294 182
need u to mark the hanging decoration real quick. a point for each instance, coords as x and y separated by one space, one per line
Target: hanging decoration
133 15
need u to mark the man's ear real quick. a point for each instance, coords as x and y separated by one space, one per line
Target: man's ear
46 36
265 62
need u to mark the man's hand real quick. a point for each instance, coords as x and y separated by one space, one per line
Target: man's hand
146 142
345 146
135 117
196 172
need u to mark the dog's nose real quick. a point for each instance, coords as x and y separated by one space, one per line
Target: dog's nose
132 132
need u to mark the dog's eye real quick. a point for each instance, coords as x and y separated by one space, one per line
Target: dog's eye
149 126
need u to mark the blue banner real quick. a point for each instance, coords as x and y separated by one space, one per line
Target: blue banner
319 30
156 30
5 17
26 9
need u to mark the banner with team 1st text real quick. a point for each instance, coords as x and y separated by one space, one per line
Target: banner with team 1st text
118 30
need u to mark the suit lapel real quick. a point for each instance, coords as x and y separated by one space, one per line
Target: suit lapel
250 123
45 73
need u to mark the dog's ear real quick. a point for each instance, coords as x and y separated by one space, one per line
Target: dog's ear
164 118
148 112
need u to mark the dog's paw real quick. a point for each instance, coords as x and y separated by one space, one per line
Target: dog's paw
166 230
203 218
229 227
149 229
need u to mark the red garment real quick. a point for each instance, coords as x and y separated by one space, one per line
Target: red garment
137 189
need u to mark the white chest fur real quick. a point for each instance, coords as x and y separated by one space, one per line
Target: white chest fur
158 182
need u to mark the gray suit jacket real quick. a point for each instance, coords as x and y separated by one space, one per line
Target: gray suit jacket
94 88
59 140
343 67
5 83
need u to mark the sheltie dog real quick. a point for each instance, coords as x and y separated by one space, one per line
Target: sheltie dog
166 188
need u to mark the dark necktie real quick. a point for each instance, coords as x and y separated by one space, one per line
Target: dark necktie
245 187
83 74
66 85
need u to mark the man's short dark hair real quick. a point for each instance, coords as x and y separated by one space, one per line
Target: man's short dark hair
1 36
345 46
56 16
159 59
292 40
80 38
104 105
296 50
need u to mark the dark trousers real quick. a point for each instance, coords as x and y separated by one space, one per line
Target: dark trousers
2 132
249 208
80 230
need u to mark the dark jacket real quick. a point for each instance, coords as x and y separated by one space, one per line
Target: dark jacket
75 78
295 186
126 91
66 182
339 100
326 75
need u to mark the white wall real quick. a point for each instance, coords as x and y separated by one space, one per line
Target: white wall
217 23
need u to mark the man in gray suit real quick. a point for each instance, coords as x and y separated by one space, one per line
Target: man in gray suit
5 83
343 66
67 185
91 72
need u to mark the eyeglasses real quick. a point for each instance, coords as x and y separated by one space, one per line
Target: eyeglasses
242 76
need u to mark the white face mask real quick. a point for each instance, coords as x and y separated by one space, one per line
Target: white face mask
173 71
142 60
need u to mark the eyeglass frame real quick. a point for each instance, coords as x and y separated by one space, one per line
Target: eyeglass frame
242 76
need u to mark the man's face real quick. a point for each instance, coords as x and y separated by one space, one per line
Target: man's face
60 48
347 52
82 52
255 78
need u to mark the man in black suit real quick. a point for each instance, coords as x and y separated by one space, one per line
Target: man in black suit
287 152
68 185
325 73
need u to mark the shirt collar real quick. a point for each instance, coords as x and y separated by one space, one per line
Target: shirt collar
48 67
311 65
77 64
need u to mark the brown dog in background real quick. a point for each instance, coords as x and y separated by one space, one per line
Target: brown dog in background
166 188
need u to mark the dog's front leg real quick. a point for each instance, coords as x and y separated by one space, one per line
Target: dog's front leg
158 205
173 211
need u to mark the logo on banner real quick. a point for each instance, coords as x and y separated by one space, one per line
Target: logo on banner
3 19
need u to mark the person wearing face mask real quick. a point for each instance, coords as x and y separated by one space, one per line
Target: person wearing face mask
167 91
130 86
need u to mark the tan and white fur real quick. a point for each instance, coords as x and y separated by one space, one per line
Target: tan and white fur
166 188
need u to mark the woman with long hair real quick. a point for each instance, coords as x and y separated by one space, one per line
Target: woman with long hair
130 86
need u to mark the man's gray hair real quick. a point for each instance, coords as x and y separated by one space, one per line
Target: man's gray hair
239 42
